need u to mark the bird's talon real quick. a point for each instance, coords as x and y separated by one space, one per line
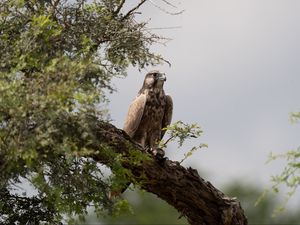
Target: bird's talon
154 152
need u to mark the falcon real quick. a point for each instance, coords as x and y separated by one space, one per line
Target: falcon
149 112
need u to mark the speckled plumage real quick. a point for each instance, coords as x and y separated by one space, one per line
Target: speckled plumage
149 112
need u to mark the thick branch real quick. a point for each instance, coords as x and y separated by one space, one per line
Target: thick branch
196 199
119 7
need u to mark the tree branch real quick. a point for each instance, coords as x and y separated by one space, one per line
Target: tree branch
196 199
120 6
134 9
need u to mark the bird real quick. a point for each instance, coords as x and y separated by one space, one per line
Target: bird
149 113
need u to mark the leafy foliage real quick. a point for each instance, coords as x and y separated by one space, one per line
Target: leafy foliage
247 193
295 117
290 175
180 132
57 59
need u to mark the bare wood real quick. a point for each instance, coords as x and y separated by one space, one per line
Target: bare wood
194 198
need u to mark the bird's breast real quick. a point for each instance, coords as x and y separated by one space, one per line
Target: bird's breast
154 109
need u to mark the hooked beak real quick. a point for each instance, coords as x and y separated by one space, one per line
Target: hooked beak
162 76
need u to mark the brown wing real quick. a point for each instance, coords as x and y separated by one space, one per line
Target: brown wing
167 114
134 116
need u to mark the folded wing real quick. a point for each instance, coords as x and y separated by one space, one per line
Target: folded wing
134 116
167 114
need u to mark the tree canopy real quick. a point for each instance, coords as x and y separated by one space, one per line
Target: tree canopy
57 59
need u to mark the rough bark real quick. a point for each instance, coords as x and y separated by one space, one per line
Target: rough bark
196 199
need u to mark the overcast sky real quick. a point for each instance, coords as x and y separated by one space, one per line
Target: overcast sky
235 71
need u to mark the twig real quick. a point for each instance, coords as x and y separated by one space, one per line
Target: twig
164 28
166 142
165 11
133 9
168 3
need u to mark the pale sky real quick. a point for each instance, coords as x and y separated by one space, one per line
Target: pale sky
235 71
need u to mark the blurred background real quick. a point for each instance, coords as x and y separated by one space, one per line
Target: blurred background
235 71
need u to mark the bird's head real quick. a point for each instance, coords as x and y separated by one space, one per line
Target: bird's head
154 79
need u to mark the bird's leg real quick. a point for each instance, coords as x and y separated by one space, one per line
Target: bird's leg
141 142
152 144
